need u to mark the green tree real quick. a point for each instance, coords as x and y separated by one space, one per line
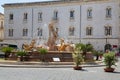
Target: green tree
109 59
77 56
43 52
85 48
7 51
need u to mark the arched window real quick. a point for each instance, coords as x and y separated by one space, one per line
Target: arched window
89 31
55 15
108 12
40 16
72 14
11 16
1 23
25 32
89 13
10 32
108 30
71 31
25 16
108 47
40 31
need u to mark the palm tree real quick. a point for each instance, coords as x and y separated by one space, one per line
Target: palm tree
109 60
85 48
43 52
77 57
7 51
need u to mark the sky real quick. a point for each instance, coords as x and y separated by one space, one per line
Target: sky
16 1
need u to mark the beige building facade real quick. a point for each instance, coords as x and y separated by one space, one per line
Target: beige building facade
1 27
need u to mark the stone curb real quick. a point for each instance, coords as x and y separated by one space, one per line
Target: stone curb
46 64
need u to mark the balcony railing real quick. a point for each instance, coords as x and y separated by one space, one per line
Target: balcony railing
56 19
1 27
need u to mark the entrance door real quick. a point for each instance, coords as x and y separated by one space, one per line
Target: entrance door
108 47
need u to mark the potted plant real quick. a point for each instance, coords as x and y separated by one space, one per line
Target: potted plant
77 57
21 55
43 52
7 51
109 60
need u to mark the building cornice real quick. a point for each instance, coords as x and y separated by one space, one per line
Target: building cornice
1 14
50 3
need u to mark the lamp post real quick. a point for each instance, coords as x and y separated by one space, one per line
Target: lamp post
106 44
106 40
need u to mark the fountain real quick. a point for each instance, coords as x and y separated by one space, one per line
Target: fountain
51 43
62 51
29 47
53 35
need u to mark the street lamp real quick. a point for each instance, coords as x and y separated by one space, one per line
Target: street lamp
106 40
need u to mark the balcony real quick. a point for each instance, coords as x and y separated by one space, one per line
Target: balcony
11 21
56 19
1 27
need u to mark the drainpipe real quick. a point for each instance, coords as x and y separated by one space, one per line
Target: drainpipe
119 23
32 25
80 24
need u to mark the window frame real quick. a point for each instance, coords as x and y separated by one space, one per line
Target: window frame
89 31
39 32
72 14
55 15
71 31
25 32
108 12
10 32
1 24
89 13
108 31
11 16
40 15
25 16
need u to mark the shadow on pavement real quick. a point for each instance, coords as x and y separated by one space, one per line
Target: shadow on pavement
116 72
81 70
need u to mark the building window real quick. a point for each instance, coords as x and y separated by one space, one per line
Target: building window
72 14
108 30
89 31
25 17
10 32
39 32
71 31
25 32
1 23
11 17
108 12
55 17
89 13
40 16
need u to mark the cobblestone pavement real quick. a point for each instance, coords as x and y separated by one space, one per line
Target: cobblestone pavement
88 73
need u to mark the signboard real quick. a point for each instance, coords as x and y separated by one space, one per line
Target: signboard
56 59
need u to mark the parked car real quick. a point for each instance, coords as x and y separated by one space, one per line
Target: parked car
2 54
117 54
5 44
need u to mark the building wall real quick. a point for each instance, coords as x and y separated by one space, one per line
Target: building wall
1 26
63 22
80 22
98 22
